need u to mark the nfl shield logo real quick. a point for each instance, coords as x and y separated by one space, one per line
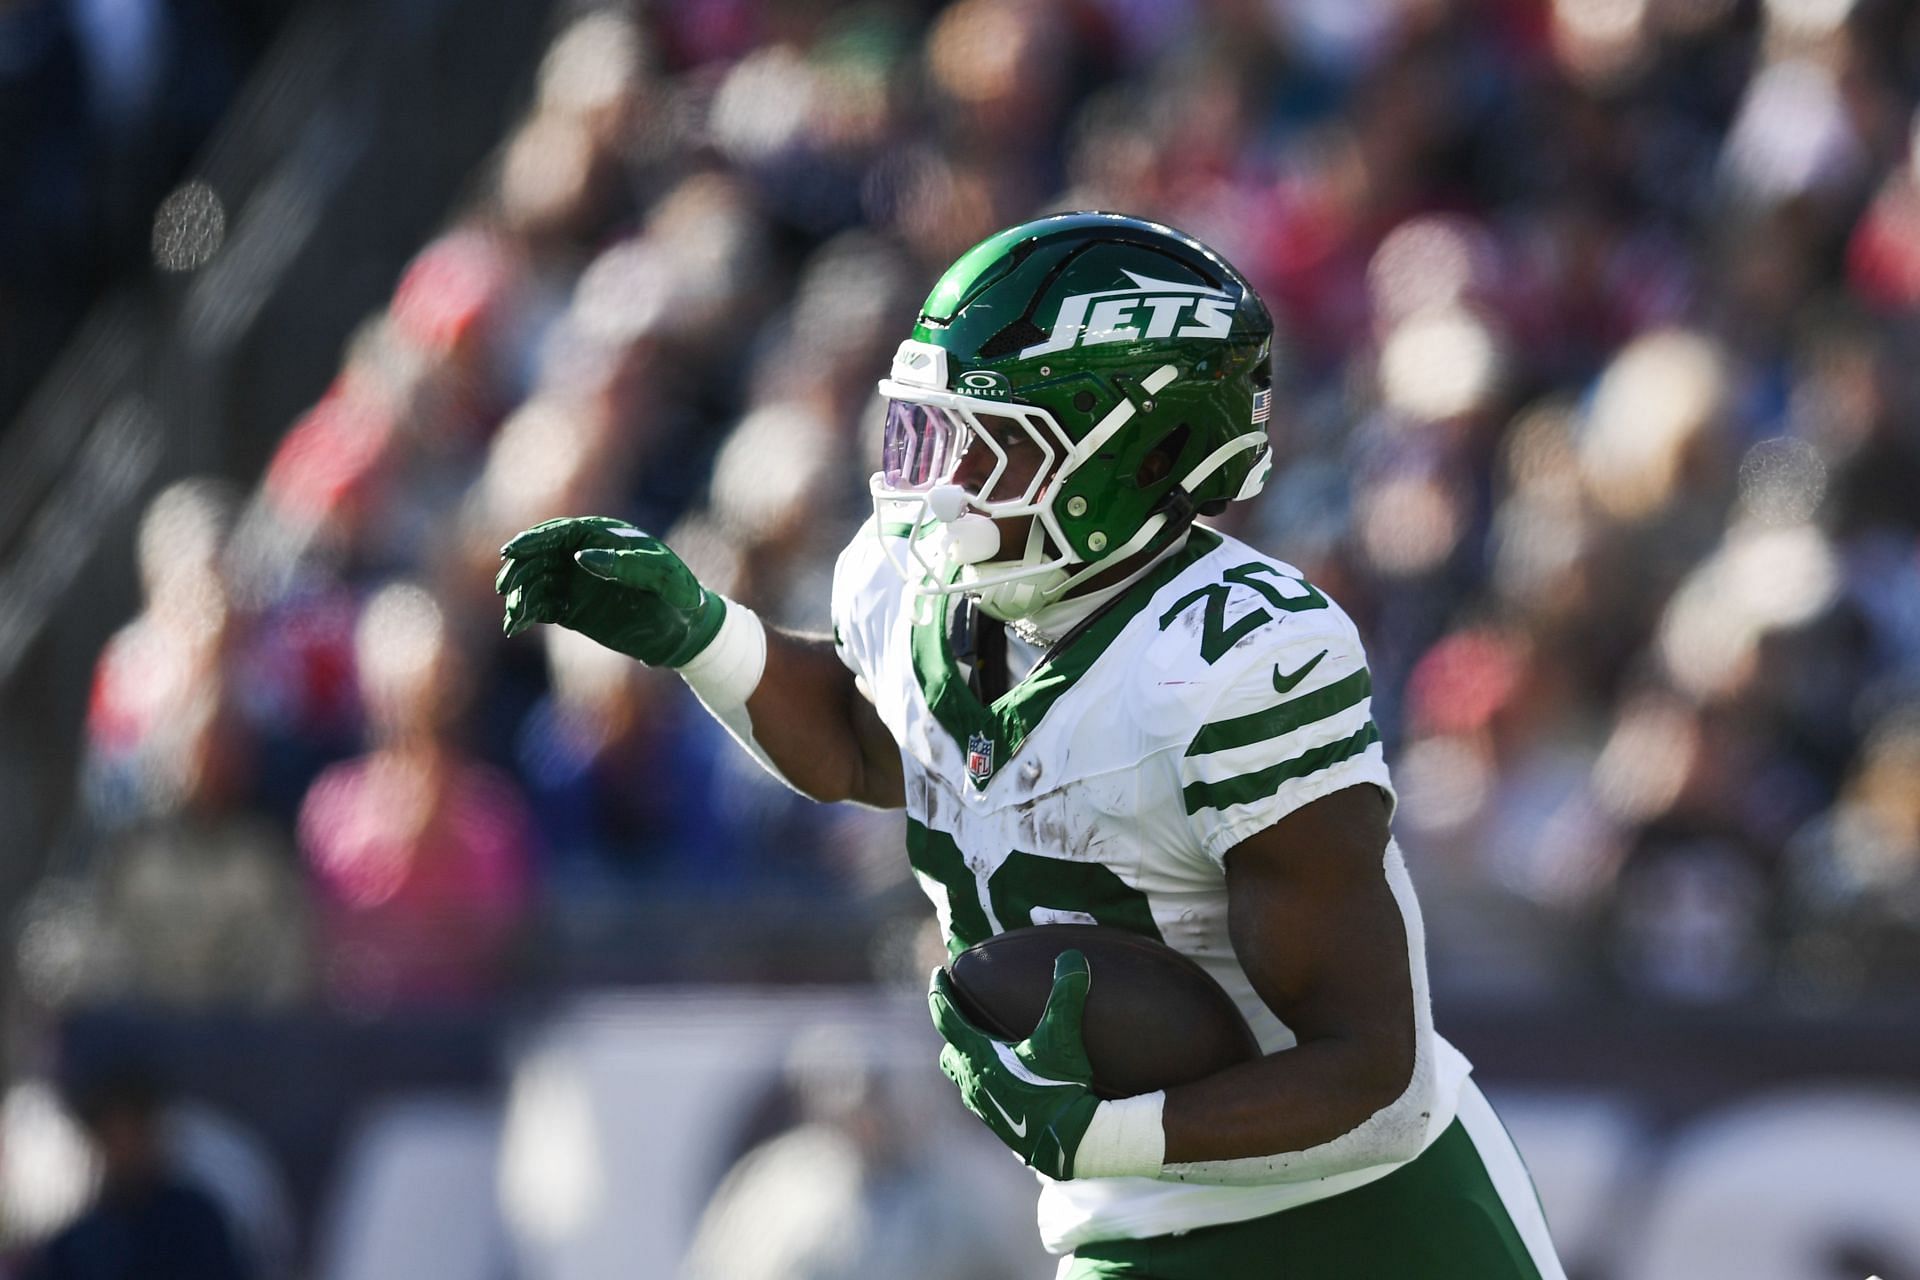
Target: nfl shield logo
979 757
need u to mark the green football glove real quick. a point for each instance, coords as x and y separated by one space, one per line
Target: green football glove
612 583
1037 1095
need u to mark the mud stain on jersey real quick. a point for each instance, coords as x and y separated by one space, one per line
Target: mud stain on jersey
1201 930
1044 825
1026 827
928 797
1057 835
1190 931
1042 828
1091 847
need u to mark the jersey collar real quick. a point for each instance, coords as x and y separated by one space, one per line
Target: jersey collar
989 736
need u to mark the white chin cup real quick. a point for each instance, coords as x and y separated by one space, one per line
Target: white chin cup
1012 601
970 539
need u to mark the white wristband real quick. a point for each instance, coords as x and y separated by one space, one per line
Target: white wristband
725 673
1125 1139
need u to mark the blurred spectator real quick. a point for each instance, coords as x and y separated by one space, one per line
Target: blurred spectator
607 774
145 1223
295 690
855 1188
47 1168
1695 792
421 857
192 899
1497 810
1855 872
554 454
772 513
202 907
1883 258
1652 449
160 685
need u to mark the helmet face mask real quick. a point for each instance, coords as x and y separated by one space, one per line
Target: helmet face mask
1131 357
931 437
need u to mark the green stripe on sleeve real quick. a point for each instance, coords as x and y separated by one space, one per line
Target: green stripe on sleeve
1248 787
1283 718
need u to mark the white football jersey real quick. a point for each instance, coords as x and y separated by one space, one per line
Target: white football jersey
1214 697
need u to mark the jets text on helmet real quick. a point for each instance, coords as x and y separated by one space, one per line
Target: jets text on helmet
1149 309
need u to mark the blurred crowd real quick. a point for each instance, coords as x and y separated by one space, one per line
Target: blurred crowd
1598 407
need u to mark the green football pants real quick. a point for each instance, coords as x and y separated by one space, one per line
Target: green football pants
1465 1209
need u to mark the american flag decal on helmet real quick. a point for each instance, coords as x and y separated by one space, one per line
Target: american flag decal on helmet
1262 405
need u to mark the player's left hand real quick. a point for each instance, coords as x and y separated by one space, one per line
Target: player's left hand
1036 1095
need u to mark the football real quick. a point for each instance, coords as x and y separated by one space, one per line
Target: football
1154 1018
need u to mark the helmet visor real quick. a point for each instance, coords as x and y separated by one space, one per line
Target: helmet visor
920 446
1001 454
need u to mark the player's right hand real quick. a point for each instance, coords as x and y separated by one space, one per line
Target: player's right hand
1037 1096
612 583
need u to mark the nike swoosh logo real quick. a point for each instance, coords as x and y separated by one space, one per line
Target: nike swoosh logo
1020 1129
1284 684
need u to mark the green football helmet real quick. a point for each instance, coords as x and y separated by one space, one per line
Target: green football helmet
1131 356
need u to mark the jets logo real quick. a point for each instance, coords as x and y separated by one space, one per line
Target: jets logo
1149 308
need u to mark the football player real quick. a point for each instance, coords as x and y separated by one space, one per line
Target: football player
1095 708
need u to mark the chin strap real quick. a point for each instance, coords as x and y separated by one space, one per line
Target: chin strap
1178 507
1052 624
1175 513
